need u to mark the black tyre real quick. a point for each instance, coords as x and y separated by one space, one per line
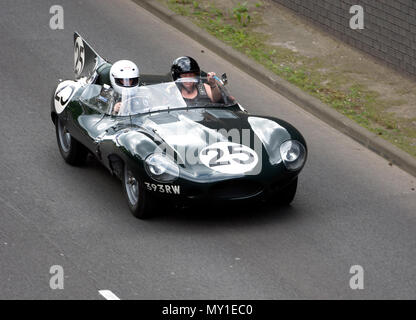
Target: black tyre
140 203
73 152
286 196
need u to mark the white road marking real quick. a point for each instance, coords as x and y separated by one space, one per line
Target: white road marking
108 295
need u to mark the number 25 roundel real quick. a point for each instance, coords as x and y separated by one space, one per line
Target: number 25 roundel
229 157
79 56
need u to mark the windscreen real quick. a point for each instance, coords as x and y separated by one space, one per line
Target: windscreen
183 93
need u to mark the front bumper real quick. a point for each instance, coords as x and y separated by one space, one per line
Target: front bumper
250 188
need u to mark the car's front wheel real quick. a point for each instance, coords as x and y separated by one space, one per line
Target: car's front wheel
140 203
73 152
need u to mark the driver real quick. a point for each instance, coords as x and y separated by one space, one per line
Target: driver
187 67
124 78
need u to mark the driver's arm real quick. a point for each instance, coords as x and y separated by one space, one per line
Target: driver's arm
213 91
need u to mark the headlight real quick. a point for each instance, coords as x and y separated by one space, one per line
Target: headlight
161 168
293 154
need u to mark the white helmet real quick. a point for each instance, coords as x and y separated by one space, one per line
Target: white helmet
124 74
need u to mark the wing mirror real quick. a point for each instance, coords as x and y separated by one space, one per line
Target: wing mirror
224 79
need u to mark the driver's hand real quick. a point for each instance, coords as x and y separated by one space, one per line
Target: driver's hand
117 107
210 79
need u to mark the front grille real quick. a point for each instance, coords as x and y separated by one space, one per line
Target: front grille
234 189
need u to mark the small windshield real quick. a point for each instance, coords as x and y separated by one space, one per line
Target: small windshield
97 97
183 93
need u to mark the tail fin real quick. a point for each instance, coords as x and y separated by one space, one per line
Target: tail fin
86 60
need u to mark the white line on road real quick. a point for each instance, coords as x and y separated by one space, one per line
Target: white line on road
107 294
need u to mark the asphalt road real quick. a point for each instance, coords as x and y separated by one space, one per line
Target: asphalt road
351 207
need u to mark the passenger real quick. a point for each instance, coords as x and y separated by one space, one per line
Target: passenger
187 67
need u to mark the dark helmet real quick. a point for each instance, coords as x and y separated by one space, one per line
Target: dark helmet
184 65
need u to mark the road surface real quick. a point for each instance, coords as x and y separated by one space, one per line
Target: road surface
351 208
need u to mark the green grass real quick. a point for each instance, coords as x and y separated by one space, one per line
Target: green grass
354 100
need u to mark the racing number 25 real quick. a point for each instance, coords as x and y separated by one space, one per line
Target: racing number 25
220 158
79 56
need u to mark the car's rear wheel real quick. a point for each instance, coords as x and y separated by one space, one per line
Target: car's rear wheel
140 203
73 152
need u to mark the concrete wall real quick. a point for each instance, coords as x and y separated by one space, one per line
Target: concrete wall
390 26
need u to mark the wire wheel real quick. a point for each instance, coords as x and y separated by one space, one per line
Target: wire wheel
132 187
64 137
